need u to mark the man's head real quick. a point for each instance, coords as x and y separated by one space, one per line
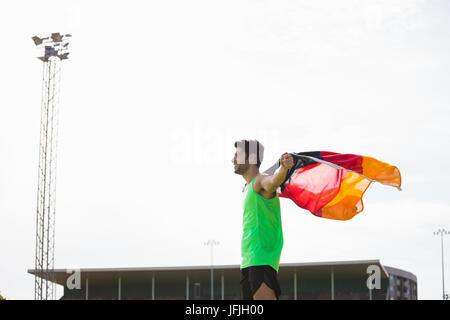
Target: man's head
248 153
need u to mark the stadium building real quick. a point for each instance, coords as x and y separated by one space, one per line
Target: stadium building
345 280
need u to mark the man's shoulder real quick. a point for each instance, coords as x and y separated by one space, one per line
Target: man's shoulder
259 177
259 189
257 182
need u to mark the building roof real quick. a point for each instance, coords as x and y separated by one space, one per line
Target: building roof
401 273
138 273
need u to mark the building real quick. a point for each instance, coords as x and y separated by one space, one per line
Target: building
344 280
402 285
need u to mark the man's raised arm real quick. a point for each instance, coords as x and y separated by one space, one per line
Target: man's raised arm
270 183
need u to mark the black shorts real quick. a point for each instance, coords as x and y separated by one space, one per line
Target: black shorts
253 277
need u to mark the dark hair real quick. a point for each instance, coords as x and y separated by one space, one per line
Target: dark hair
251 147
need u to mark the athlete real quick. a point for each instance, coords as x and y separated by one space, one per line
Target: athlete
262 237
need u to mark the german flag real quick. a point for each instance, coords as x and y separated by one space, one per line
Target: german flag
331 185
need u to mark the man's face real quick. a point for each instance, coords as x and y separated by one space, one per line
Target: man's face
240 167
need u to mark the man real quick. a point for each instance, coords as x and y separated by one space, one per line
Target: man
262 238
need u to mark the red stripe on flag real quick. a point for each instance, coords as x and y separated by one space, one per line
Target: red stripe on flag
312 187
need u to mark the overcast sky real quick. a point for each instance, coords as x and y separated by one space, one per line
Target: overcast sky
156 92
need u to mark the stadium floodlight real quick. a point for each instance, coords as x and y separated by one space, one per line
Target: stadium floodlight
64 56
37 40
212 243
442 232
54 52
50 51
55 46
57 37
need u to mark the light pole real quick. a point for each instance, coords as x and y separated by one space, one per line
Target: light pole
52 50
212 243
442 232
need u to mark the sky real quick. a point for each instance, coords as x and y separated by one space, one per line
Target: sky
155 93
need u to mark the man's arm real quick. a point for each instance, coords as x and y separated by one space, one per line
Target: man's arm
270 183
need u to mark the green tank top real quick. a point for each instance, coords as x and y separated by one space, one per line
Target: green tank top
262 237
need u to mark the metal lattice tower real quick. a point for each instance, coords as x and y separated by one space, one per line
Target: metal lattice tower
55 50
442 232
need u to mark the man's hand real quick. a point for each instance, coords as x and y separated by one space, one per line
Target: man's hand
287 160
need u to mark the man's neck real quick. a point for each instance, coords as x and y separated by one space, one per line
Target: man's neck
250 174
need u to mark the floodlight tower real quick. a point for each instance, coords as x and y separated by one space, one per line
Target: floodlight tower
442 232
212 243
55 50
